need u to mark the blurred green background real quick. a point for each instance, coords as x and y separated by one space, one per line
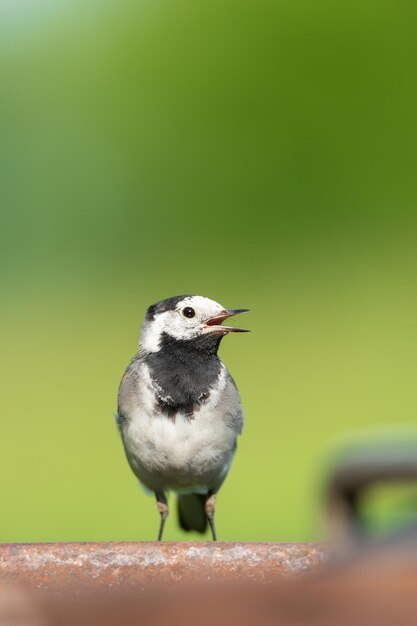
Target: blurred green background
260 153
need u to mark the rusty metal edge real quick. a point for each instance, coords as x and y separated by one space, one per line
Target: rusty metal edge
90 565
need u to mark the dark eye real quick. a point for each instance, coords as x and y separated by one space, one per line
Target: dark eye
188 312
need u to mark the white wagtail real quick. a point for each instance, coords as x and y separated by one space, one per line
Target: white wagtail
179 410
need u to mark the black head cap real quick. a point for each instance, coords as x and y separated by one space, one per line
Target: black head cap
164 305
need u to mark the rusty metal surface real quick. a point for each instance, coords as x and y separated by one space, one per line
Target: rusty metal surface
142 564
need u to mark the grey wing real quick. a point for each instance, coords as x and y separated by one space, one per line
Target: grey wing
129 395
233 409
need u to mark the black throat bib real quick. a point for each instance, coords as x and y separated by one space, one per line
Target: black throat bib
184 372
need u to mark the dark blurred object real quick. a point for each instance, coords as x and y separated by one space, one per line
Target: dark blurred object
384 465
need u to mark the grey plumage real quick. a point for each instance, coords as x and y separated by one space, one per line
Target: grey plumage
179 410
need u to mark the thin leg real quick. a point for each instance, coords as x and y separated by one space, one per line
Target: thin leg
162 504
210 506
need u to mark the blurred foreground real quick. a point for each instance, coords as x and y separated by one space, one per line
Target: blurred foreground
358 579
374 592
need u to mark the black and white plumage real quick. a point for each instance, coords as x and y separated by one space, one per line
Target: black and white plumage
179 409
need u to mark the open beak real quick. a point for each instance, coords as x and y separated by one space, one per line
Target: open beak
216 322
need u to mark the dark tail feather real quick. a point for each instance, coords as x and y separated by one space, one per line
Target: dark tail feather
191 512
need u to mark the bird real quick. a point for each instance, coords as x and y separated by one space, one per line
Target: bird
179 410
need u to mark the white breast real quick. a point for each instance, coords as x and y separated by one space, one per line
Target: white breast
183 453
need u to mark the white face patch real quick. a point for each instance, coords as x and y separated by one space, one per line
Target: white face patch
176 324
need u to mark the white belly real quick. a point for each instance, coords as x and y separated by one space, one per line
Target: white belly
183 453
